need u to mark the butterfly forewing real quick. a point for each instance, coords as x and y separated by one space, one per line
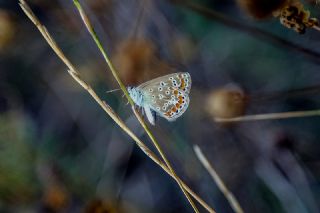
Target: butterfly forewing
168 95
180 80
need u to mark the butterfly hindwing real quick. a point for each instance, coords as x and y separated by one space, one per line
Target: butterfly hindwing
168 95
177 107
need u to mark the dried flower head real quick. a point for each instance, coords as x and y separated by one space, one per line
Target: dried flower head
226 102
290 12
132 58
8 29
294 16
56 197
136 60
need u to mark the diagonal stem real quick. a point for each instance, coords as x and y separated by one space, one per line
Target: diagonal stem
76 76
123 88
229 196
154 141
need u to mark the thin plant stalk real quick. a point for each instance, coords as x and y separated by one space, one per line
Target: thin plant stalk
95 37
229 196
270 116
76 76
316 28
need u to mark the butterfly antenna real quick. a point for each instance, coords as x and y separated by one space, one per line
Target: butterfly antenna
113 90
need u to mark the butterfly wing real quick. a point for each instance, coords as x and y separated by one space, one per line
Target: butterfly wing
168 95
180 80
177 107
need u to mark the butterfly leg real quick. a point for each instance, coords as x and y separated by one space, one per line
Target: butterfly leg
149 114
154 115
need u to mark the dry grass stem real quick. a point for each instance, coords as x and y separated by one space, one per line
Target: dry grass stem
143 124
76 76
316 28
231 199
92 32
270 116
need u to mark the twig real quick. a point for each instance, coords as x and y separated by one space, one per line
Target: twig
270 116
76 76
156 144
92 32
231 199
316 28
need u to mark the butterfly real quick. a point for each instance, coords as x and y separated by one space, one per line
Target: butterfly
166 96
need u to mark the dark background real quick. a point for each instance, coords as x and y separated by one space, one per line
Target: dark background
59 152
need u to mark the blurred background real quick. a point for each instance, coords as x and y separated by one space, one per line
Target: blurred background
59 152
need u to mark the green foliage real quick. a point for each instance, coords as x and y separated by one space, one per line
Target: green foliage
17 177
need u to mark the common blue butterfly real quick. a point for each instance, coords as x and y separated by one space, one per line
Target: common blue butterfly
167 96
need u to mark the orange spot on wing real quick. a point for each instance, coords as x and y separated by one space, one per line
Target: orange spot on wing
168 113
183 84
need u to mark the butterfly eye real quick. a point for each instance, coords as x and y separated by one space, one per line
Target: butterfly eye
167 92
171 78
162 83
164 108
160 88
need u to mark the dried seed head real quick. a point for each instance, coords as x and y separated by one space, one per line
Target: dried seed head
136 60
294 16
132 58
8 29
226 102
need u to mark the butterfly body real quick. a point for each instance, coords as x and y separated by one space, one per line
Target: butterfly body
167 96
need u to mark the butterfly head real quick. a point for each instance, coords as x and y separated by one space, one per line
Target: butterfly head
136 95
